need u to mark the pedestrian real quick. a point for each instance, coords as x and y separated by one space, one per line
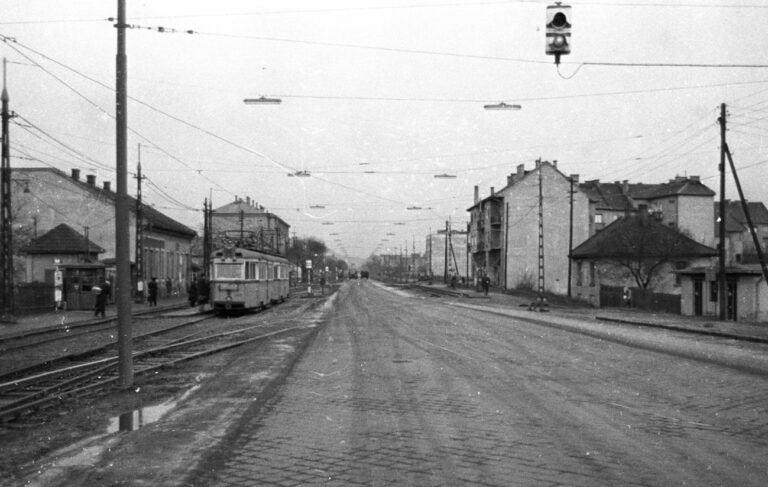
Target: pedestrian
453 281
203 290
152 287
192 292
486 284
168 286
101 299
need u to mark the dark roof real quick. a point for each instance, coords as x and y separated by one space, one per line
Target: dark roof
680 186
620 196
152 218
640 235
62 239
606 195
736 220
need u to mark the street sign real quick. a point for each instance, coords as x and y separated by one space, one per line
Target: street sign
309 264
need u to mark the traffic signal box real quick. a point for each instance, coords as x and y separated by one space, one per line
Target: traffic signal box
558 30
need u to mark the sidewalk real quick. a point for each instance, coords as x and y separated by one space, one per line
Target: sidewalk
50 319
707 325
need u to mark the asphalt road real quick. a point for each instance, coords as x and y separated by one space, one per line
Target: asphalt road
401 390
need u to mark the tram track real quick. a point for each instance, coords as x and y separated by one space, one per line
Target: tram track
97 370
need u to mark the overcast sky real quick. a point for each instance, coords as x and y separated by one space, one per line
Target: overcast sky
378 97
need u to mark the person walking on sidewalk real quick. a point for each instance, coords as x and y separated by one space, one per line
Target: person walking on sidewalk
192 292
152 286
486 284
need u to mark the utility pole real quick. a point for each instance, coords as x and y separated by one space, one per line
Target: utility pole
6 241
445 260
506 241
122 233
206 241
541 300
139 247
723 303
572 179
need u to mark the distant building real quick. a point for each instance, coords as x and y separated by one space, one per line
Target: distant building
442 261
248 222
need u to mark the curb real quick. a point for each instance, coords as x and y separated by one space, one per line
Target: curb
720 334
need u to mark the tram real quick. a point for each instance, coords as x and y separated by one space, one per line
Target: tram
244 279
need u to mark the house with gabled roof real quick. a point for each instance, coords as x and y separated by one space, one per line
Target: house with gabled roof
62 245
52 197
636 251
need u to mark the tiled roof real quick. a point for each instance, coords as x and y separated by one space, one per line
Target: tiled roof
619 196
636 235
62 239
677 187
152 217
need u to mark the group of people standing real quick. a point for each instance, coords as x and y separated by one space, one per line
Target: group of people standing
197 292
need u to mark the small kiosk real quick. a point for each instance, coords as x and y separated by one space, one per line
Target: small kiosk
79 280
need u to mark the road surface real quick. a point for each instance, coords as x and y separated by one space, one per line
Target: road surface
400 390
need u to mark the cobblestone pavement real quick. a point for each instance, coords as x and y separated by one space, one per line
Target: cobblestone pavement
405 391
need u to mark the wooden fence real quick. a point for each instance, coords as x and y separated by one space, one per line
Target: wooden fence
613 296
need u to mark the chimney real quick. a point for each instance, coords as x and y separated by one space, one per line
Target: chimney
554 163
574 178
91 179
492 191
625 186
642 211
248 200
477 194
107 186
696 179
510 179
76 174
520 170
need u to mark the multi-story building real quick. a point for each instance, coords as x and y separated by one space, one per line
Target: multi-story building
247 221
683 203
504 228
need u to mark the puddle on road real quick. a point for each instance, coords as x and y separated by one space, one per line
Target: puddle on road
142 416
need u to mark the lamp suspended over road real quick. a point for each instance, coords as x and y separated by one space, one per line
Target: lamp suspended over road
262 100
299 174
502 106
445 176
414 208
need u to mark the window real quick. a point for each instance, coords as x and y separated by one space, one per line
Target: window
228 271
592 273
579 273
598 218
713 291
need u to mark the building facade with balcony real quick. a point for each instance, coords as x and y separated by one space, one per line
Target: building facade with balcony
504 229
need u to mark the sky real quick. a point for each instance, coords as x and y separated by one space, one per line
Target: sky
379 97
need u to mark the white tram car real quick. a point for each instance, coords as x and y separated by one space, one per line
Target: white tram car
244 279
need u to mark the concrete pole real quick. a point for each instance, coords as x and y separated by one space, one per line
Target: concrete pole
723 303
122 232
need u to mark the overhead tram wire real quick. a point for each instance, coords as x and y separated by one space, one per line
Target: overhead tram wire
136 133
151 107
